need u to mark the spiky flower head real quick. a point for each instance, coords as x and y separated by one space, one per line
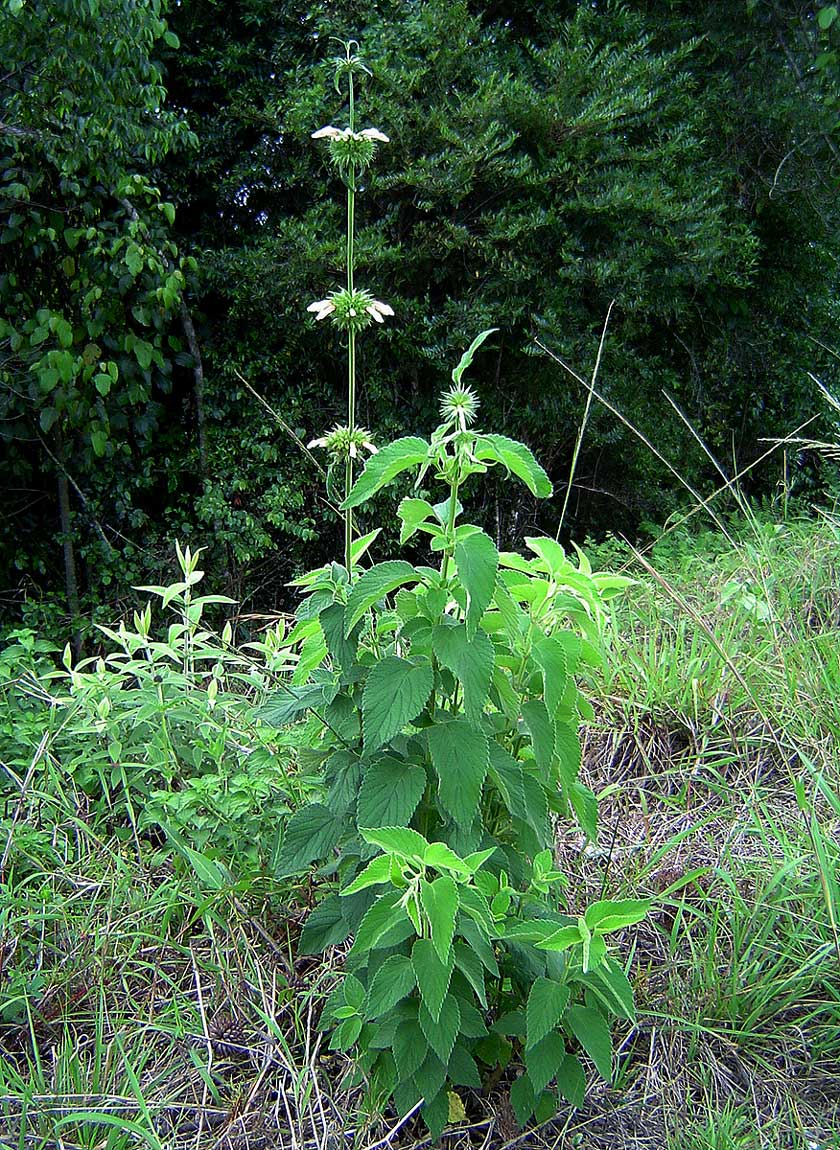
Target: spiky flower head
351 151
343 443
459 405
351 310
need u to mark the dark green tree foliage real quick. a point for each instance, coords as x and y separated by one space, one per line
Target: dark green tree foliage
545 159
90 280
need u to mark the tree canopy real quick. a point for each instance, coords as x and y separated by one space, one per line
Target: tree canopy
167 219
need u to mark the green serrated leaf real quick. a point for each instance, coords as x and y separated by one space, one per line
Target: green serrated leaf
460 755
462 1068
397 841
392 982
547 1002
550 656
396 691
522 1100
567 753
471 966
375 873
571 1080
478 561
410 1048
377 582
544 1060
608 915
467 358
341 648
541 729
325 926
431 1074
441 1032
470 660
385 914
589 1027
585 805
385 466
440 902
389 793
613 988
518 459
433 976
311 834
413 512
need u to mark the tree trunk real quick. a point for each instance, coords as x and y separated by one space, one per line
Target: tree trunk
71 582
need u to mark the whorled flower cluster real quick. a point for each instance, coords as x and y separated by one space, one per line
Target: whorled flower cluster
351 310
343 443
351 151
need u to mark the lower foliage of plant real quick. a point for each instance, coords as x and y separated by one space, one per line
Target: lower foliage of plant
441 708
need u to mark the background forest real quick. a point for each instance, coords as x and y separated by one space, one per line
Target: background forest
469 835
165 222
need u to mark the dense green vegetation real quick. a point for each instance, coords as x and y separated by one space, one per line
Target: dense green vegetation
480 835
546 159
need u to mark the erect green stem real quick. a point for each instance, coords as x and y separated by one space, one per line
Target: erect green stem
450 530
351 346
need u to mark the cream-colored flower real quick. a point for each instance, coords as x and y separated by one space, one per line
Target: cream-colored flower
373 134
379 310
322 308
328 133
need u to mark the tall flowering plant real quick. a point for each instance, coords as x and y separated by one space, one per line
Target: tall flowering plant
350 308
441 706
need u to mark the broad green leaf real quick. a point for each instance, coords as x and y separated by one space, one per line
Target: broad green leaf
311 834
462 1068
544 1060
410 1048
341 648
546 1003
571 1080
567 752
826 16
375 584
522 1100
442 1031
431 1076
386 465
550 552
585 805
471 966
459 755
517 458
396 692
435 1113
392 982
413 512
389 793
442 857
541 729
359 546
325 926
467 358
403 841
346 1033
614 988
561 939
523 795
588 1026
375 873
607 915
440 902
474 904
288 704
385 913
478 562
433 976
470 660
551 657
472 1022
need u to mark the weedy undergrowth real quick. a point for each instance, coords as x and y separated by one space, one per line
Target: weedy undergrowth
440 704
